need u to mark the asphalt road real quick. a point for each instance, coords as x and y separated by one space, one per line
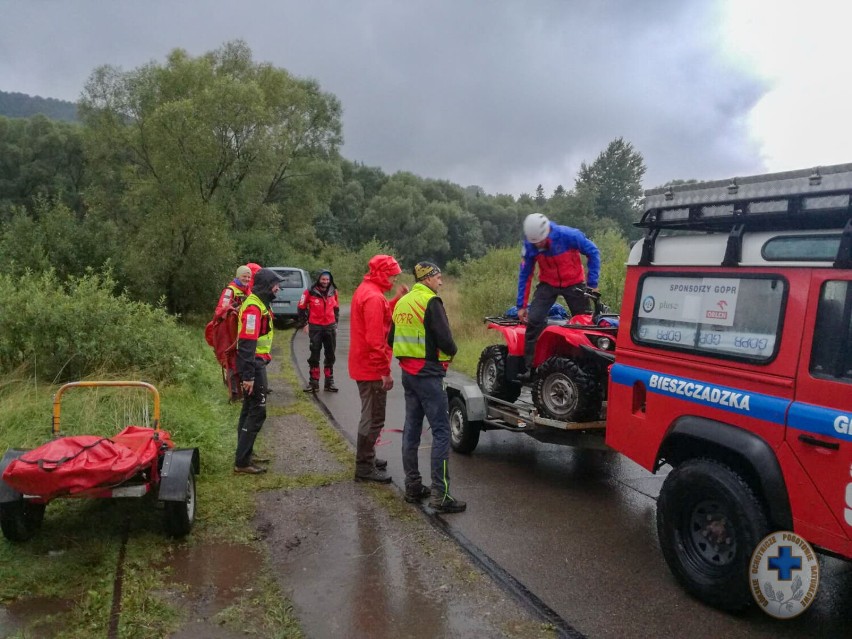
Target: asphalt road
577 529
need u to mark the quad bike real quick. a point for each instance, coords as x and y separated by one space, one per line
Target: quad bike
571 363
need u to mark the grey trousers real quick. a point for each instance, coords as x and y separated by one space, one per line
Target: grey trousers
373 403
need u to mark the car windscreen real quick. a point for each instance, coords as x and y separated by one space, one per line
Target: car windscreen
292 279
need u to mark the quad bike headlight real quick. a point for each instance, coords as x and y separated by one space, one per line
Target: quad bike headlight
605 344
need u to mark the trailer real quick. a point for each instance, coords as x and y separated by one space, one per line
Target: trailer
473 412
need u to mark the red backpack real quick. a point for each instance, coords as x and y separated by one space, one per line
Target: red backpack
221 334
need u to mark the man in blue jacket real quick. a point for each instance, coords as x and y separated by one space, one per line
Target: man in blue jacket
556 249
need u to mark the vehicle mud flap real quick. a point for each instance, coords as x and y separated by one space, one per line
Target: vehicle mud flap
177 465
7 493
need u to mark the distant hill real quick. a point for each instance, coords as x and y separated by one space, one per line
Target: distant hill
21 105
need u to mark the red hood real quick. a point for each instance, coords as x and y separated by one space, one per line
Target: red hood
382 268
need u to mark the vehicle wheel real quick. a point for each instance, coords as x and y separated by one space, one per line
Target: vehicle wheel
491 374
180 515
20 519
709 522
563 390
464 434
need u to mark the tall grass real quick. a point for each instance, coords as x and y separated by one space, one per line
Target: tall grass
56 331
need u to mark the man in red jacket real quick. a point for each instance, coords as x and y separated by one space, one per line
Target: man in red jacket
370 358
319 310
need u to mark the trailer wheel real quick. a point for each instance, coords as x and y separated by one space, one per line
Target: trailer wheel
464 434
709 522
491 374
180 515
20 519
563 390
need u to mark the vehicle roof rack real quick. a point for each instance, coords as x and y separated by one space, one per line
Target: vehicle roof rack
808 199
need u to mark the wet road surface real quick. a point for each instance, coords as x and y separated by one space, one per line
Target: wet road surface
577 528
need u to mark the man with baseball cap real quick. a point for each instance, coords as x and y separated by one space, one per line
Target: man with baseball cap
424 344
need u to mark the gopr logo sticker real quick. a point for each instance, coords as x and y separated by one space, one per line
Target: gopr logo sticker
784 575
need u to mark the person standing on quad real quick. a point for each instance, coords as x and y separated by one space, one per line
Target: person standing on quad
556 249
424 344
254 346
319 311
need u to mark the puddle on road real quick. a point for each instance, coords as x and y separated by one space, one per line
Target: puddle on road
217 575
351 570
20 614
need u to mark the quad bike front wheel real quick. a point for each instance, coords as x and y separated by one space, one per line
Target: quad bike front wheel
563 390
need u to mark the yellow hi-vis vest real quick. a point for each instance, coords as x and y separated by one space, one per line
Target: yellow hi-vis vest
264 342
409 333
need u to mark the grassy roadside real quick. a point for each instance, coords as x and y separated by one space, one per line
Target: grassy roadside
74 557
469 332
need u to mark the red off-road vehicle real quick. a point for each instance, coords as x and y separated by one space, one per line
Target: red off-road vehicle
734 368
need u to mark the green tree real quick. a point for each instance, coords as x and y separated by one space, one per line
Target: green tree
540 197
195 152
616 179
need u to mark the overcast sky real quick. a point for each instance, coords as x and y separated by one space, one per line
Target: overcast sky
498 93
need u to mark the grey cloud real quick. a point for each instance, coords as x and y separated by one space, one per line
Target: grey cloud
505 95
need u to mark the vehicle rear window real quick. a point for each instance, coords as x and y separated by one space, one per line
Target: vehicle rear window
724 316
819 248
831 355
292 279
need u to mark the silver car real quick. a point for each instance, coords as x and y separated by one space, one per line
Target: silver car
285 305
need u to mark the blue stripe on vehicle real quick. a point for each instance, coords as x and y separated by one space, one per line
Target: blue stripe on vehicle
820 421
766 407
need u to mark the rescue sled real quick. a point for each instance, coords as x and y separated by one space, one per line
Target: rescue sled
133 463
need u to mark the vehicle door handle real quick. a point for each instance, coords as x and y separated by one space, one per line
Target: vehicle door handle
813 441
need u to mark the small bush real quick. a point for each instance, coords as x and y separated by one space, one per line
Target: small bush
59 331
489 285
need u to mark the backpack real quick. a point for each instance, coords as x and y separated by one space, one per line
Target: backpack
221 334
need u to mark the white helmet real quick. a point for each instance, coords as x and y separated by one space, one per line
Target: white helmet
536 227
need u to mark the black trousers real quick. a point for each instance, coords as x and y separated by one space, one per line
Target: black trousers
322 338
252 416
544 297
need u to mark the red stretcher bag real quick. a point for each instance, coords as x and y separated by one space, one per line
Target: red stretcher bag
74 465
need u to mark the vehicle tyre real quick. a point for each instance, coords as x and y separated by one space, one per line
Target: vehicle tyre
709 521
563 390
464 434
180 515
491 374
20 519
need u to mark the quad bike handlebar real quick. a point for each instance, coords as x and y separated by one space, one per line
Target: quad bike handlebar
600 311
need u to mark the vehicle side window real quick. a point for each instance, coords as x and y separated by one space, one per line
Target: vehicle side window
831 355
729 317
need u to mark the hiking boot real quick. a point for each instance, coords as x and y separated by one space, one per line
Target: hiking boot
447 504
249 470
375 475
312 387
329 385
525 377
381 464
416 494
